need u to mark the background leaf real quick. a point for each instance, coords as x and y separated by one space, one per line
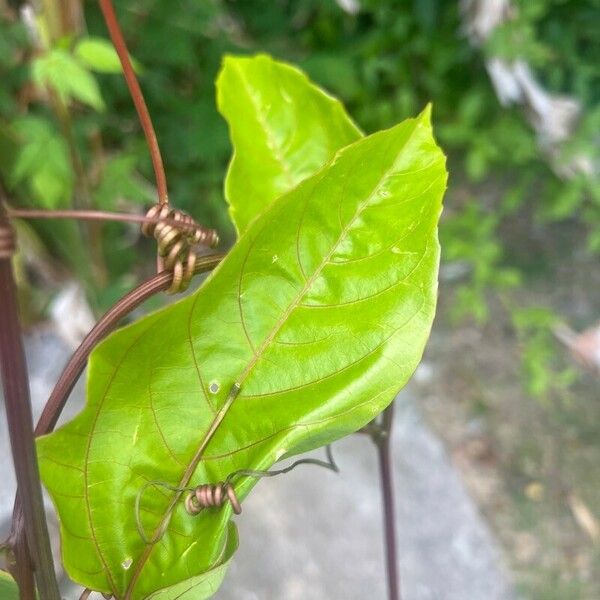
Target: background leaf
100 55
320 313
283 128
42 160
67 77
120 182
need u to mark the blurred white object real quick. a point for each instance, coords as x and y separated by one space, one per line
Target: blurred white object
352 7
71 315
553 117
424 373
483 16
584 346
29 20
584 517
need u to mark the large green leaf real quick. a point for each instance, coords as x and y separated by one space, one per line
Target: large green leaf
283 129
320 313
206 584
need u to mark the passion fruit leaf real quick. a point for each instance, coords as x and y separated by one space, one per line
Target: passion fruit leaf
303 334
206 584
283 128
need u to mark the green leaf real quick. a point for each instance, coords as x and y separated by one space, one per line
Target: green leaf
67 77
283 128
120 181
43 162
100 55
8 587
319 314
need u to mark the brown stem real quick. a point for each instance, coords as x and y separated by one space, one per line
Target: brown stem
138 99
20 425
19 564
382 440
91 215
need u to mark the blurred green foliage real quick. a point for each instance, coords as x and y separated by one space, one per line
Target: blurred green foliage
545 377
69 135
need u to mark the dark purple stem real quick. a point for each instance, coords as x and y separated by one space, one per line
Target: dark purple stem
20 424
382 440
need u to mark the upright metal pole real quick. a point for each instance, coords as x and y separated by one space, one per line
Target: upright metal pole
20 423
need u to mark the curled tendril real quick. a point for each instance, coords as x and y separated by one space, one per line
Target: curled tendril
177 236
215 495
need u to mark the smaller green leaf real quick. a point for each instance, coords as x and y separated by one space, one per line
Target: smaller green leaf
63 73
43 162
283 128
8 587
100 55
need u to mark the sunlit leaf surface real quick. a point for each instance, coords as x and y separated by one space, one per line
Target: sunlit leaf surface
320 313
283 128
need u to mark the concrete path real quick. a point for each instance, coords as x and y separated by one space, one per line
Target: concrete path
315 535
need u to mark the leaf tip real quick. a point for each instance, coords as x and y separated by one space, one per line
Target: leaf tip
425 116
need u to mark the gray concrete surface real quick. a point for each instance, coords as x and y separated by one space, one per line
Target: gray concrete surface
315 535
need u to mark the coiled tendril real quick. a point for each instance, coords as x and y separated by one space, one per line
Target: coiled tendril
212 494
177 237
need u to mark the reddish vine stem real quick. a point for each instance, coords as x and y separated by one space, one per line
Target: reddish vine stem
92 215
118 41
20 425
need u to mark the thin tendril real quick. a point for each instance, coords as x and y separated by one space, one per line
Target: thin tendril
326 464
133 85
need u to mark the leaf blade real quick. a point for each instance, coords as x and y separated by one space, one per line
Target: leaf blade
283 128
307 279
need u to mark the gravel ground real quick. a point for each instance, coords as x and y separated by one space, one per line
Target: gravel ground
314 535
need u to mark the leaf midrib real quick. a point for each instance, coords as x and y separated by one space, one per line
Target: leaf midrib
258 354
